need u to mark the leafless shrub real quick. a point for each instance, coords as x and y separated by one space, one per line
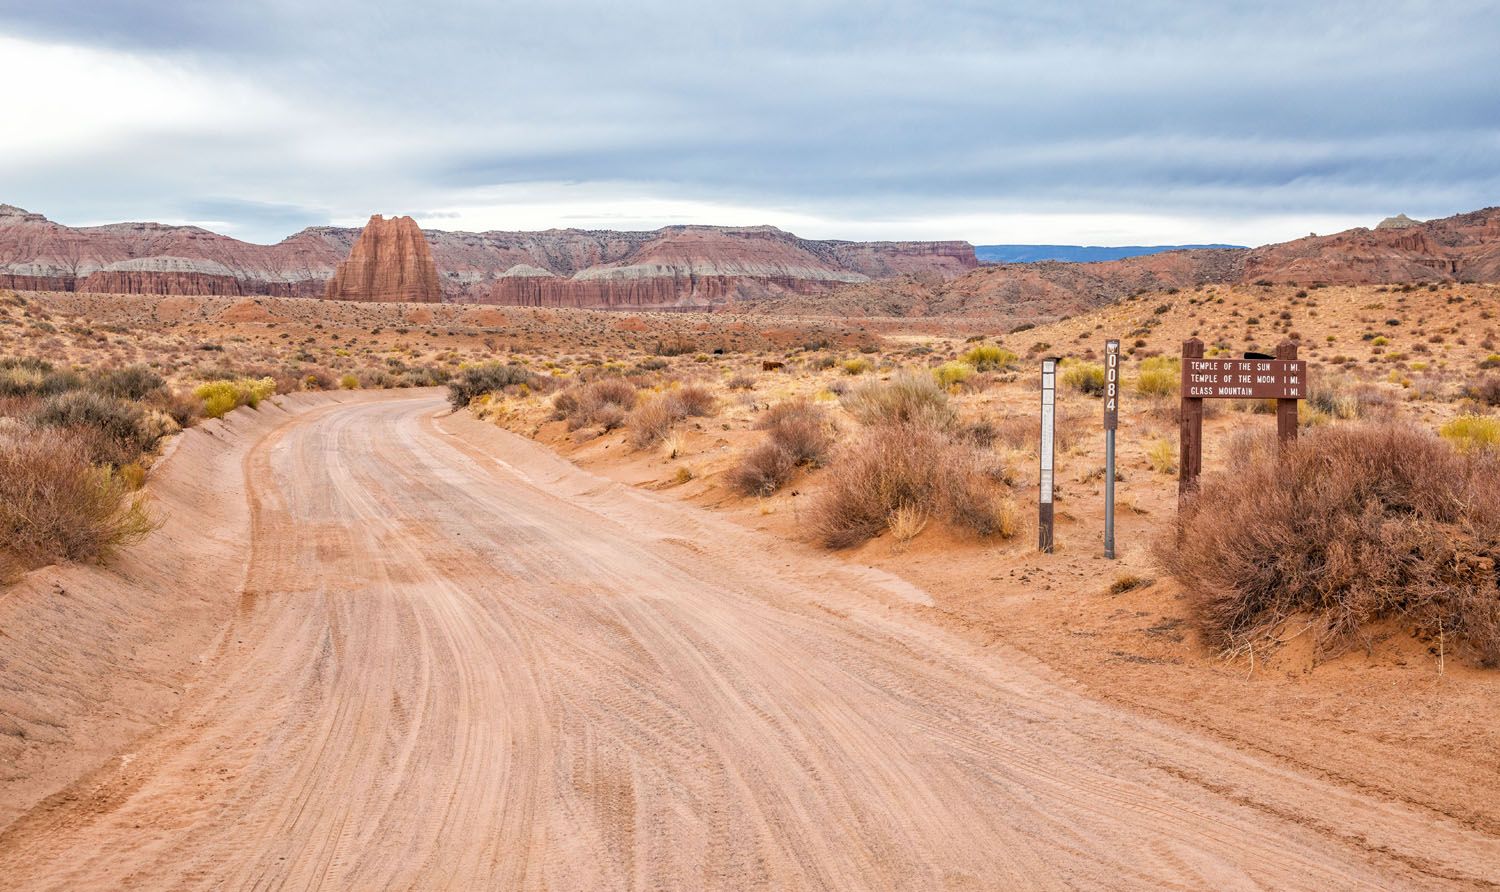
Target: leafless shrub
695 401
603 402
1486 390
1351 525
910 467
55 505
652 420
798 435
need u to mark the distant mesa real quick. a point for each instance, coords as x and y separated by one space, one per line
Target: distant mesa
390 263
1400 221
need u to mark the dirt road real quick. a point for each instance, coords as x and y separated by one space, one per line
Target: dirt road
461 663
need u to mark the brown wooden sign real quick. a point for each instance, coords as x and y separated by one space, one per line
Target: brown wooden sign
1251 379
1283 379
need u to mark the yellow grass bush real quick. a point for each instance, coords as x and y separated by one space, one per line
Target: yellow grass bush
951 374
1083 377
1159 376
989 357
1469 433
225 395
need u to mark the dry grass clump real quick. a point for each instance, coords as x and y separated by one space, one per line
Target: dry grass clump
603 402
799 435
55 505
905 399
1351 525
897 471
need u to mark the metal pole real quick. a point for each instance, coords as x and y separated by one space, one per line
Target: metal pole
1109 494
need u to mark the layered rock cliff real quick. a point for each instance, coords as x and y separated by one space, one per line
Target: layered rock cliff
391 262
672 267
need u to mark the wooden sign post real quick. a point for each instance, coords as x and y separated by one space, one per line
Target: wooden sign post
1044 480
1283 379
1111 423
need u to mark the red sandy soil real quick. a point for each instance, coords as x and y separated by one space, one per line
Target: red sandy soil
420 651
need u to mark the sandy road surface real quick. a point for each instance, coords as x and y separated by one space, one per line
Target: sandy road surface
462 663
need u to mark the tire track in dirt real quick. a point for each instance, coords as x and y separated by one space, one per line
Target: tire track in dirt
466 664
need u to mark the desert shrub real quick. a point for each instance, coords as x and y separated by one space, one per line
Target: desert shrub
475 381
652 364
133 382
798 435
431 376
741 382
1349 525
224 396
183 408
695 401
349 381
856 366
896 469
604 402
652 420
1084 377
1470 433
1159 376
952 374
906 398
55 505
114 431
1330 397
676 346
989 357
29 377
1486 390
763 470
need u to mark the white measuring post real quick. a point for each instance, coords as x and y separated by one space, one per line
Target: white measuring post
1111 422
1044 480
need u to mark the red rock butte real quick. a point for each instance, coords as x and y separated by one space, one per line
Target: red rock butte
390 263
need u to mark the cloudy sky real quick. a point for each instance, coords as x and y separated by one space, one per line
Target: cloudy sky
1096 122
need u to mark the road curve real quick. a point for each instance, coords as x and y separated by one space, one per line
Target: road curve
460 662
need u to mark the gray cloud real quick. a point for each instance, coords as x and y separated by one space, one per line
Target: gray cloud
880 110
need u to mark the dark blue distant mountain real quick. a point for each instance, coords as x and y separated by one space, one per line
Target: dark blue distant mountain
1073 253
